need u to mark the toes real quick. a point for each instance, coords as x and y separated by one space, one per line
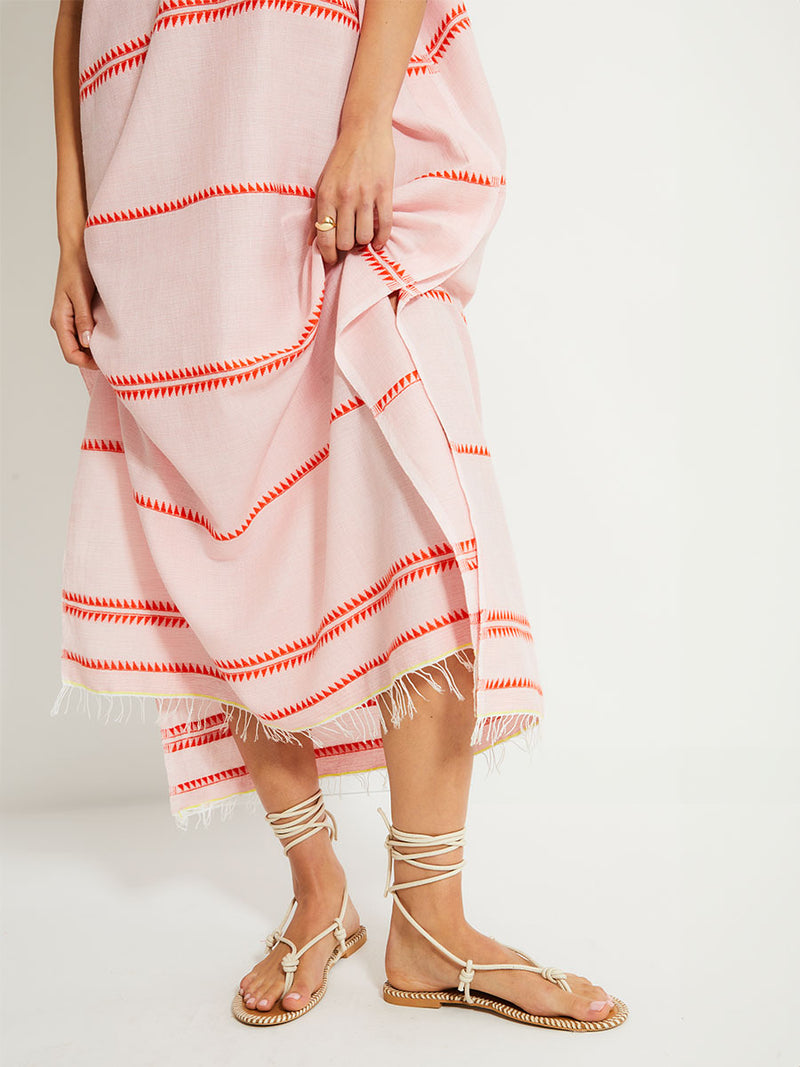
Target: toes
257 998
587 1009
296 998
259 1001
599 1009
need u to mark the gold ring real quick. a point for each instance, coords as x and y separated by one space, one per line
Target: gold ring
328 223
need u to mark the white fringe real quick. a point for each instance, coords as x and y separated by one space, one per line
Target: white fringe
355 724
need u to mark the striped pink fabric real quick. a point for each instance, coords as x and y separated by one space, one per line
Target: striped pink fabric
285 501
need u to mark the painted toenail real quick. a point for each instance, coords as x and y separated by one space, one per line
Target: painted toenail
293 996
263 1003
597 1005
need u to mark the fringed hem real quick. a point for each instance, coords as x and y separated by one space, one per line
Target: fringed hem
358 723
365 782
490 736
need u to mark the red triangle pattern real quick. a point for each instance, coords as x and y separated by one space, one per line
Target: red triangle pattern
510 683
472 177
98 444
392 394
209 779
470 450
184 12
356 609
453 23
357 672
178 511
195 726
177 13
197 379
231 189
111 609
122 57
388 269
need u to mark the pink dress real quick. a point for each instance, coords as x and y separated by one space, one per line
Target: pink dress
285 502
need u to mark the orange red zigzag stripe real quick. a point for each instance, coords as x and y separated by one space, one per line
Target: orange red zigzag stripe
392 394
180 511
131 53
408 568
510 683
212 671
277 188
241 772
233 189
215 671
470 176
98 444
182 12
453 23
120 58
111 609
222 373
471 450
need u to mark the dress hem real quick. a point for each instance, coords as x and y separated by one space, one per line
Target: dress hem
491 732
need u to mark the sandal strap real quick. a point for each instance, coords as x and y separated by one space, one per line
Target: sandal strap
438 844
306 818
291 959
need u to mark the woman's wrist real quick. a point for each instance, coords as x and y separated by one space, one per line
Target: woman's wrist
364 119
70 235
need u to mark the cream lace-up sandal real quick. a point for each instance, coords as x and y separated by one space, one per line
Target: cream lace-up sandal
303 819
463 997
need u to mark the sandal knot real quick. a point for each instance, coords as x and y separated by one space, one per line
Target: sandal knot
465 977
558 977
340 933
290 962
272 939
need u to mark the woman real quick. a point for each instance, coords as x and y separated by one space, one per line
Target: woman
271 215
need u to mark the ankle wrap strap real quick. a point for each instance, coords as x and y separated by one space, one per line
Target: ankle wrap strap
306 818
437 844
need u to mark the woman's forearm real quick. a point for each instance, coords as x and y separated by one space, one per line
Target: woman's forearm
389 29
71 204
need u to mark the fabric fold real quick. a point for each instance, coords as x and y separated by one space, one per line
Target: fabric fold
285 504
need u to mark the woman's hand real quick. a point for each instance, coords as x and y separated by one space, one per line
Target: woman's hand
71 316
355 188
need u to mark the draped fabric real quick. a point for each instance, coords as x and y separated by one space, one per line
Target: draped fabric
285 503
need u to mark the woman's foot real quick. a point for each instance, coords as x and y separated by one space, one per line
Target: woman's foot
413 963
317 907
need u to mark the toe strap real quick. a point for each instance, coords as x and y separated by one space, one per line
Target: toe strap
290 962
558 977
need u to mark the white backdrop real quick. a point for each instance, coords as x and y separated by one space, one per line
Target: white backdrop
637 335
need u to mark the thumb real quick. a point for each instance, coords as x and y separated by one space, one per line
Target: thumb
84 321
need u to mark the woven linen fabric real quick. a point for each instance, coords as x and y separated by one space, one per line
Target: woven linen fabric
285 503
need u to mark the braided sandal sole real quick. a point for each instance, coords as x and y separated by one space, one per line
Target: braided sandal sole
276 1014
487 1002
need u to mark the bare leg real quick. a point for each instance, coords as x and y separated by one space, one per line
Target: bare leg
285 774
430 767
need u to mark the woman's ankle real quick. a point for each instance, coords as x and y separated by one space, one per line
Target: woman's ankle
316 875
439 917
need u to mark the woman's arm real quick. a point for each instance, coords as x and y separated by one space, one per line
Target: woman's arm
357 182
71 316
